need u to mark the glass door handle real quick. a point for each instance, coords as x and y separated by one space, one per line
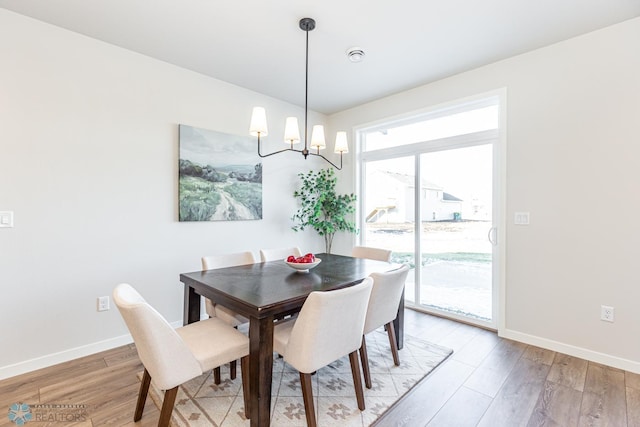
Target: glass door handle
492 236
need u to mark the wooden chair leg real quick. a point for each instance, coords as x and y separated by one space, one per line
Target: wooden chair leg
232 369
364 361
142 395
392 341
307 396
216 376
244 372
233 366
167 407
357 381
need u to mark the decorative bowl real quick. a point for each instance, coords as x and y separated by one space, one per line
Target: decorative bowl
303 267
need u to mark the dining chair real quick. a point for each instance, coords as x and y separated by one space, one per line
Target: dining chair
278 254
318 336
174 356
369 252
382 311
232 318
222 261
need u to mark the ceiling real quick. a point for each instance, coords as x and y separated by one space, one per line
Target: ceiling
258 45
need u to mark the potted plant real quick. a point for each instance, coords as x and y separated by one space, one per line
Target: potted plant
321 208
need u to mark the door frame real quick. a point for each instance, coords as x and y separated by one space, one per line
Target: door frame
497 137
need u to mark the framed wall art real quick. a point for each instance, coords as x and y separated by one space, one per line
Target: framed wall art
220 176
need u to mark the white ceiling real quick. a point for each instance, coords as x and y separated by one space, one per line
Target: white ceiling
257 44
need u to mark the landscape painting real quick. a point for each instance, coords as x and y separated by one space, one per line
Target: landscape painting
220 176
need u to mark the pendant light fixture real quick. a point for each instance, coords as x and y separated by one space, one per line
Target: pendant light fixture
258 126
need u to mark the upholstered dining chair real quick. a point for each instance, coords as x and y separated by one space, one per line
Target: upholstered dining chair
222 261
234 319
278 254
174 356
371 253
382 311
318 336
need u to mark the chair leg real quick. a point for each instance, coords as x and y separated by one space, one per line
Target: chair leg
142 395
307 396
232 366
357 381
216 371
232 369
392 341
244 372
364 361
167 407
216 375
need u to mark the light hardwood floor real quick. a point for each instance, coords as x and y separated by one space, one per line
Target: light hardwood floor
488 381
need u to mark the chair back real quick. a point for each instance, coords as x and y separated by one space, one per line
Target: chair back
278 254
227 260
222 261
371 253
162 351
329 326
385 297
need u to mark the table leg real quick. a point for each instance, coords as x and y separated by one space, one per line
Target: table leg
191 305
398 324
260 368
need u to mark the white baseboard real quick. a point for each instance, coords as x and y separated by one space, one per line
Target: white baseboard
583 353
67 355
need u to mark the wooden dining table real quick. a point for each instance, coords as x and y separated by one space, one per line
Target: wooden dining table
266 291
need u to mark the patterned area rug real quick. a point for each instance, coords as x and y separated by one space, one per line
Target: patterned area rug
202 403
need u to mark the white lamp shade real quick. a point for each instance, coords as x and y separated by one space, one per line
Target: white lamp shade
291 131
258 125
317 137
341 143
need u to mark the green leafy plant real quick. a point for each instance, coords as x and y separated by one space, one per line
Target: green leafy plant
321 208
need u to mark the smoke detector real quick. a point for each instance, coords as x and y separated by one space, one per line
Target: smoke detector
355 54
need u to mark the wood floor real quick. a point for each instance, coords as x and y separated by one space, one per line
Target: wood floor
488 381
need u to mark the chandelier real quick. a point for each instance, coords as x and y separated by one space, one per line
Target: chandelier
258 125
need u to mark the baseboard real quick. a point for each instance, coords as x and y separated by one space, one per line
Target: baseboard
583 353
67 355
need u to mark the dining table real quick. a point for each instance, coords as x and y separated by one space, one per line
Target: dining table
264 292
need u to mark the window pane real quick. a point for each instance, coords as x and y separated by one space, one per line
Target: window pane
477 120
456 221
390 211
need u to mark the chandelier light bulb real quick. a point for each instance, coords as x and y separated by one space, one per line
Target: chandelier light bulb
291 131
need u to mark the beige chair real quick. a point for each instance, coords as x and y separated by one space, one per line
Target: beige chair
173 356
371 253
223 313
318 336
382 311
222 261
278 254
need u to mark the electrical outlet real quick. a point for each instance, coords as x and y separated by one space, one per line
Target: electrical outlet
103 303
521 218
606 313
6 219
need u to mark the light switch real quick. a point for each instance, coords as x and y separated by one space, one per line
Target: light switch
6 219
521 218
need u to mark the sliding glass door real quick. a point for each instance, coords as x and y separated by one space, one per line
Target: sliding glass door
456 230
428 188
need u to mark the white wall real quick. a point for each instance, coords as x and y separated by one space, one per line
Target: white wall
573 144
88 163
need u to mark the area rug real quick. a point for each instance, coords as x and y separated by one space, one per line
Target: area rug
202 403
